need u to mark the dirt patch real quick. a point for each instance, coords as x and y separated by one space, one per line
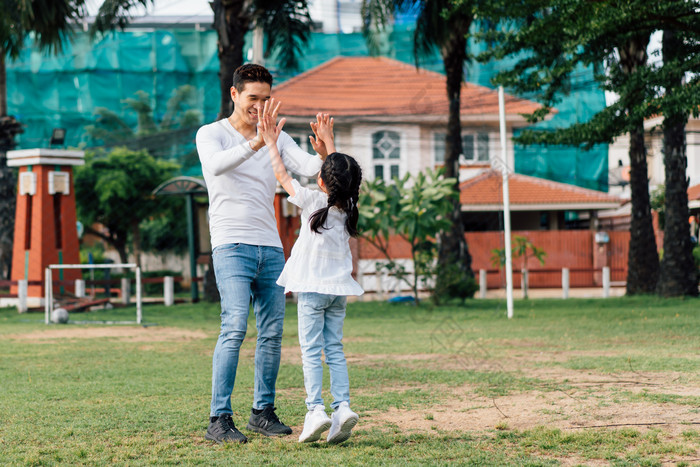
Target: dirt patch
471 412
121 333
592 403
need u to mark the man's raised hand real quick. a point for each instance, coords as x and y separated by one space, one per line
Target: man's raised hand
323 142
266 122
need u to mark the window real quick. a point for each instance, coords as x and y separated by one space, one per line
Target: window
475 147
386 154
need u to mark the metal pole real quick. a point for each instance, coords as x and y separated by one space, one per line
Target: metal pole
506 203
190 243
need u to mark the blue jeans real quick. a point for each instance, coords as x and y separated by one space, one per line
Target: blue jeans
244 272
321 319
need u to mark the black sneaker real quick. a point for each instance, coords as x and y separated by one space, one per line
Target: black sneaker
223 430
267 423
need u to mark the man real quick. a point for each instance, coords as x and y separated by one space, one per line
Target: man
246 248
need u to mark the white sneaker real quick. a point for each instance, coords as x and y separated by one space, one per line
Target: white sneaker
344 420
315 423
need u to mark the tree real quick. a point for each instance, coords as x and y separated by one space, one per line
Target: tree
115 191
416 209
286 25
177 126
678 271
167 230
49 22
523 248
439 26
553 39
9 128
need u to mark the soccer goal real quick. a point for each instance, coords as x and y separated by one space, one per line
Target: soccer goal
48 294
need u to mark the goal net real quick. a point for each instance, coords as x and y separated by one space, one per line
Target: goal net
49 295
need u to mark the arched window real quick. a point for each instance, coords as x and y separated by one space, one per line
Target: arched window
386 154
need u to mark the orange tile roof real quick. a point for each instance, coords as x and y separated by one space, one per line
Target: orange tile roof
486 190
379 86
694 192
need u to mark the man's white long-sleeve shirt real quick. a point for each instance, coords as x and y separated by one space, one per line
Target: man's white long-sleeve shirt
241 183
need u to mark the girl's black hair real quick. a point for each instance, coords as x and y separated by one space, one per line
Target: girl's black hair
342 176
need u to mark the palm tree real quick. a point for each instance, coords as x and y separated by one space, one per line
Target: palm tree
438 26
285 23
678 272
49 21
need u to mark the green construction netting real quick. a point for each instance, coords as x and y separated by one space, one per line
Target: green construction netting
46 92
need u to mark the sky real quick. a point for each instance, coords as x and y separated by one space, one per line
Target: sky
164 8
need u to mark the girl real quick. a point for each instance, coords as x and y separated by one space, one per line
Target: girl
319 270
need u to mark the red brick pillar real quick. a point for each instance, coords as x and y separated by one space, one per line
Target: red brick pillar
45 218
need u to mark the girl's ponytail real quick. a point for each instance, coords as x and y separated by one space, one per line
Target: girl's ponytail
317 220
342 176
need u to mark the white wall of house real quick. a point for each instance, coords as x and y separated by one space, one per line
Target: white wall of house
420 146
337 15
693 142
618 156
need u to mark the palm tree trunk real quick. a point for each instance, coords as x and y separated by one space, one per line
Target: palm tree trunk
3 83
453 250
643 259
678 273
232 20
7 178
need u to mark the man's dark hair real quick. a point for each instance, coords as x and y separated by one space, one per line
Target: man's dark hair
250 73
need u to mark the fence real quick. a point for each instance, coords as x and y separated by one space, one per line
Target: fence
100 291
576 250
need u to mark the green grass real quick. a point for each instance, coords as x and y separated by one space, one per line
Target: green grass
98 401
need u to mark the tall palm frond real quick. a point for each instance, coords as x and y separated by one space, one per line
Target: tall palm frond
287 28
116 14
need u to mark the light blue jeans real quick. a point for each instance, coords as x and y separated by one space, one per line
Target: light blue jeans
321 319
245 272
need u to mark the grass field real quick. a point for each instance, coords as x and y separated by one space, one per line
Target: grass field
590 382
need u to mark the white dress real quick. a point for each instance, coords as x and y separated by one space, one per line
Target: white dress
320 263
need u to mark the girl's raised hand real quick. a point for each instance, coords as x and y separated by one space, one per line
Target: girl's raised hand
323 143
324 127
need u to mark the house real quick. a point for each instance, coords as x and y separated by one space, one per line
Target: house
618 156
560 218
392 116
556 206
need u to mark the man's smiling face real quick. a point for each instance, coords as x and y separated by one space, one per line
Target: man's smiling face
248 103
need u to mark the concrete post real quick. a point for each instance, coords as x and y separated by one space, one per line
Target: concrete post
606 281
168 290
565 283
126 290
79 288
482 283
22 287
